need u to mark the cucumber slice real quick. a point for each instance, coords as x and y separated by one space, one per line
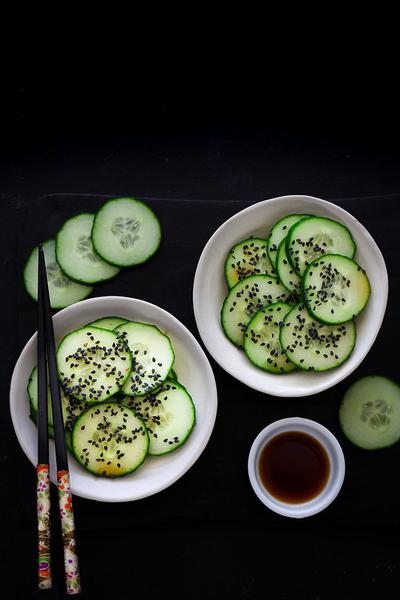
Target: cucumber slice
126 232
152 355
109 440
370 412
278 232
286 273
261 339
93 364
335 289
173 375
313 346
169 415
248 257
75 253
71 407
312 237
245 299
109 323
63 291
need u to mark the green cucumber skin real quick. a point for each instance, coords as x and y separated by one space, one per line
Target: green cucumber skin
228 259
271 257
341 423
53 306
300 366
108 317
305 300
182 442
136 263
153 390
226 298
76 279
268 370
307 219
76 454
129 356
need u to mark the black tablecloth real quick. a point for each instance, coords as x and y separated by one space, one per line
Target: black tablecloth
207 535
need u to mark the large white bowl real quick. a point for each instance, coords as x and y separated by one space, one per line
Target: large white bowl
194 372
210 289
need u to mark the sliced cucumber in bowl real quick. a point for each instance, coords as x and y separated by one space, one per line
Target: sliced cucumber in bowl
93 364
152 357
335 289
108 439
245 299
313 346
261 339
279 232
248 257
169 416
109 323
71 407
312 237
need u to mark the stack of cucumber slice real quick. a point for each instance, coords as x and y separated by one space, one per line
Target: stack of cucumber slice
90 249
120 396
293 297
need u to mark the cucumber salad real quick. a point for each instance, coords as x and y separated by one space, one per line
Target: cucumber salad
120 396
91 248
293 297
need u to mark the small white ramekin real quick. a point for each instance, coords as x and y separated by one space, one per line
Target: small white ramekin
336 471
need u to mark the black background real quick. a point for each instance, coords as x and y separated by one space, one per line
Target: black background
207 148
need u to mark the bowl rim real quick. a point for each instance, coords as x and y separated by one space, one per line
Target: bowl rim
211 398
345 369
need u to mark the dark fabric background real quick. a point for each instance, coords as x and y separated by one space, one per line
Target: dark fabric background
207 536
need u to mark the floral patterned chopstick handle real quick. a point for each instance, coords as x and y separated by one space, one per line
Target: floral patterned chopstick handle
43 516
71 566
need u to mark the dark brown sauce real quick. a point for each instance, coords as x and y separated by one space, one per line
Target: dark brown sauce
294 467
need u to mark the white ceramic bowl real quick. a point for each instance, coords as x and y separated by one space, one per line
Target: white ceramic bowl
194 372
210 289
336 471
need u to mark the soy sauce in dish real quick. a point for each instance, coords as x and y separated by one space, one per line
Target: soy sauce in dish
294 467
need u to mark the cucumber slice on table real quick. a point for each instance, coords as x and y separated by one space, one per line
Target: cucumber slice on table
152 356
370 412
93 364
278 232
248 257
126 232
71 407
245 299
314 346
261 339
109 440
63 291
312 237
287 275
75 253
109 323
169 415
335 289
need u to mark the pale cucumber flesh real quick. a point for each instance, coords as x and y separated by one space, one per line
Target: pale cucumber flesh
370 412
76 255
62 290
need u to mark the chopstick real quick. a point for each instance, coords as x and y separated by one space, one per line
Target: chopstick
71 567
43 479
